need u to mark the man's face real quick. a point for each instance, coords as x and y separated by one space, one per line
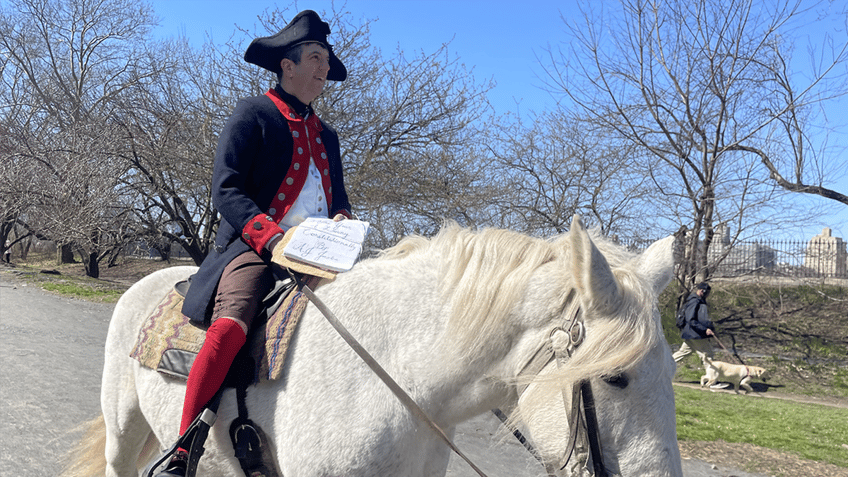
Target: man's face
306 80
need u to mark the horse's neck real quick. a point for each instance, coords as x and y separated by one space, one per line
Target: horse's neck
402 325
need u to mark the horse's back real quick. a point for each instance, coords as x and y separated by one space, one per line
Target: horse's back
137 303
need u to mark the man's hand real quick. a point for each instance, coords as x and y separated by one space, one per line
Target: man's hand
339 218
273 243
710 332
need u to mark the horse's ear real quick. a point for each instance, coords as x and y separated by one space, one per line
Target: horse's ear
656 263
592 274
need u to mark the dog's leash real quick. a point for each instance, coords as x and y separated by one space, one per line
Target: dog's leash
731 352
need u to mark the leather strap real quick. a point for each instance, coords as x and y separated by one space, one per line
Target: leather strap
581 392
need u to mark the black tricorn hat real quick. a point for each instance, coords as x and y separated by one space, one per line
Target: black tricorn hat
305 27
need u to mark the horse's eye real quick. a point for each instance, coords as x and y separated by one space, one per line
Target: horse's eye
619 381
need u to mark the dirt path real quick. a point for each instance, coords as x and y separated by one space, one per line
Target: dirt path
824 401
51 350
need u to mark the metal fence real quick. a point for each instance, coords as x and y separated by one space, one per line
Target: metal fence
787 258
813 259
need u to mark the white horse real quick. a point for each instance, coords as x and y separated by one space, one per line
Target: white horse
453 319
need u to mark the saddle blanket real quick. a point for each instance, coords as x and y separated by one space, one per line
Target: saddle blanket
168 341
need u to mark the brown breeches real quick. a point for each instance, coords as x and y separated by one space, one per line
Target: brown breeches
245 281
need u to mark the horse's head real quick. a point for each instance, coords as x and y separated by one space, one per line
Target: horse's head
606 332
514 297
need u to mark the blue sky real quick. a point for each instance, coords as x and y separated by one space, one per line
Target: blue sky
500 40
495 38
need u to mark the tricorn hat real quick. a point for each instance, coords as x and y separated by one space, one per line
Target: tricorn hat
305 27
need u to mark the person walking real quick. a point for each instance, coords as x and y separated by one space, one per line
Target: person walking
276 164
698 328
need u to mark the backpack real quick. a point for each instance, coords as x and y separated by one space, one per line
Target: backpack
680 319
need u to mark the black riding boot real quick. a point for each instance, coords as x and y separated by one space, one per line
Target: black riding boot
183 464
177 467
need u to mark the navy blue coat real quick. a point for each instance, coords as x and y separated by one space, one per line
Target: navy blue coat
697 318
254 153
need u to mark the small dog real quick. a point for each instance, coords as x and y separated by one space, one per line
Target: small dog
737 374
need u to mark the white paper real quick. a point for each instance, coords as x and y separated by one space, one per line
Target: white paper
327 244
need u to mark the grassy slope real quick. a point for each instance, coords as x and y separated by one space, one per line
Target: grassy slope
810 431
799 333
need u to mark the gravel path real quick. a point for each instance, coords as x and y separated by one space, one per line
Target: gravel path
51 350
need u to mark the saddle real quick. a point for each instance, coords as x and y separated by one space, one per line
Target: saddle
168 341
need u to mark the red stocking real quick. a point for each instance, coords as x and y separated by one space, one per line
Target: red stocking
224 339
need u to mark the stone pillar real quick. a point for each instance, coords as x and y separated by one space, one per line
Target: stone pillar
826 255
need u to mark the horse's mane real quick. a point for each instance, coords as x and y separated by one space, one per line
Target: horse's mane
485 273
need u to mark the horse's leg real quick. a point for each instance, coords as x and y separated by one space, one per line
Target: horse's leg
128 416
127 430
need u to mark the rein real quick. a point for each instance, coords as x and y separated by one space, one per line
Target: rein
405 398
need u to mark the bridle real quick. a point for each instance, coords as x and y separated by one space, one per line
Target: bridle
552 350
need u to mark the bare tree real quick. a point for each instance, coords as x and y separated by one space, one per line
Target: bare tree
705 91
556 166
14 191
74 192
15 116
77 59
412 143
171 127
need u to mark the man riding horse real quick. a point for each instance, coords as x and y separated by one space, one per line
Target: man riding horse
276 164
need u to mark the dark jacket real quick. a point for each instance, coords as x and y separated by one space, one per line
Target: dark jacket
697 318
253 156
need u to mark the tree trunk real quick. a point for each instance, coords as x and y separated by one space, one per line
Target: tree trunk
92 267
64 254
25 245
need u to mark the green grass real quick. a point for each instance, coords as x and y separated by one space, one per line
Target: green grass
688 371
82 291
811 431
67 284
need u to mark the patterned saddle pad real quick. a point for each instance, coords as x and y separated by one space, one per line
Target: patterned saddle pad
168 341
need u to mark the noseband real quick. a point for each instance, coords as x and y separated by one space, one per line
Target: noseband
581 391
